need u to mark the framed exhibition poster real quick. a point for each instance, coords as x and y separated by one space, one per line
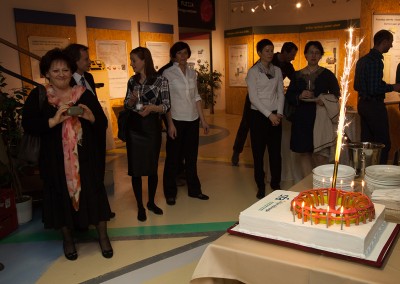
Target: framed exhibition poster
237 65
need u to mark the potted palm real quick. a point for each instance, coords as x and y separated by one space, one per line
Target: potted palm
207 82
11 104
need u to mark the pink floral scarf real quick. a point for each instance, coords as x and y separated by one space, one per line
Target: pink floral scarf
71 138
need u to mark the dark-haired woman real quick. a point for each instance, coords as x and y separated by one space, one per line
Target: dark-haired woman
183 125
304 92
265 87
147 97
73 194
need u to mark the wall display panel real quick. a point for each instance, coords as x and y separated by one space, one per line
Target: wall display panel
235 96
104 29
115 57
238 65
159 52
39 45
30 24
389 22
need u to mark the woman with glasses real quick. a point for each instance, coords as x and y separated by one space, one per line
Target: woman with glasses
265 87
311 86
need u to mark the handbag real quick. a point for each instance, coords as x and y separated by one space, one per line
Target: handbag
29 148
123 118
288 110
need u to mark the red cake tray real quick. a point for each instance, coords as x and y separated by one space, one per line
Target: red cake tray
376 258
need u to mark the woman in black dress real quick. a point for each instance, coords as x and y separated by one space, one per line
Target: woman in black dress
73 194
305 91
147 97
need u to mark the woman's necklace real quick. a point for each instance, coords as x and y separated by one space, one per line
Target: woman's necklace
312 70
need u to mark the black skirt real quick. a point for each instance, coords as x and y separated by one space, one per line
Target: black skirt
143 143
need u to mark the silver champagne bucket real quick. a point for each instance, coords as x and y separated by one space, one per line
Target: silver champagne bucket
363 154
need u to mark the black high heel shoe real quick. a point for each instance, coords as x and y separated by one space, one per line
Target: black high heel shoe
107 253
70 255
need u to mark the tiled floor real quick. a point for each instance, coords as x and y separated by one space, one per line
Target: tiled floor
164 249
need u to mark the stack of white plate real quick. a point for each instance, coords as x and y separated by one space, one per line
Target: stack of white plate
383 185
322 177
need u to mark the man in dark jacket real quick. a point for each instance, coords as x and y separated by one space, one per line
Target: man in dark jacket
80 54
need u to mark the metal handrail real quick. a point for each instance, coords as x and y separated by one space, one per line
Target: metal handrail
16 47
11 73
2 69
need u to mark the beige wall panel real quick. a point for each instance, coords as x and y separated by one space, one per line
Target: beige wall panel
235 96
106 34
25 30
145 36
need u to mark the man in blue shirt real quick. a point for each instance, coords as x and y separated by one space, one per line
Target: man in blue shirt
368 82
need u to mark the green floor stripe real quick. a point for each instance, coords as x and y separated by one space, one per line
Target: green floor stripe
50 235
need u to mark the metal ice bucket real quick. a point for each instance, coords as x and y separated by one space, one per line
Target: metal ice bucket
363 154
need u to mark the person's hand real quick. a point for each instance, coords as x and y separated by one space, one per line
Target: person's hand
275 119
146 110
59 117
87 113
172 130
205 126
306 94
396 87
319 102
132 100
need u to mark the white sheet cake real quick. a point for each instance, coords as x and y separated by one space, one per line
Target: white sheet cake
272 218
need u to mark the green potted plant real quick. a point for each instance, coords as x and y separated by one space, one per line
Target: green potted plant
11 104
207 82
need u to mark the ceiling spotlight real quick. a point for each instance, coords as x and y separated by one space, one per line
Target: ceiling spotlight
298 4
272 6
242 8
310 3
264 6
254 9
234 9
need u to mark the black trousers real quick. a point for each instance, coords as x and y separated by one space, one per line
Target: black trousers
186 143
263 135
243 129
375 124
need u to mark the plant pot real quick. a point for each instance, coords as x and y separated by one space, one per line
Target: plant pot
24 209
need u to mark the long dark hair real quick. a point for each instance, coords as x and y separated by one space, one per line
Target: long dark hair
144 54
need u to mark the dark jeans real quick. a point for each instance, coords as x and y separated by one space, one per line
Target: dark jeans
187 143
375 124
263 135
243 129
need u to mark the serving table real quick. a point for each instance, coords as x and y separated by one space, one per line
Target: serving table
234 259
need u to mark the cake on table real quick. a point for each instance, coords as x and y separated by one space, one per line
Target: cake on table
337 221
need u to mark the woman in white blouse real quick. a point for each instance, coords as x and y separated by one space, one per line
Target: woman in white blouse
265 87
183 124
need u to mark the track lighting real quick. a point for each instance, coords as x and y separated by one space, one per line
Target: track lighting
264 6
242 8
298 4
254 9
272 6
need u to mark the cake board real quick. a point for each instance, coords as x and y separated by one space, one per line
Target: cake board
375 259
